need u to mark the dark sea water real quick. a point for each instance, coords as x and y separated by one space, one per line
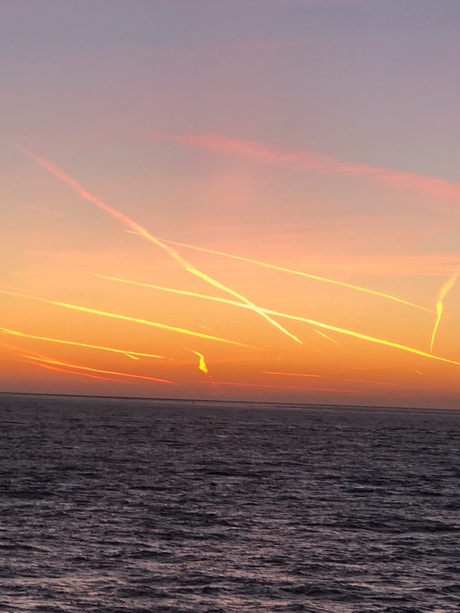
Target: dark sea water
116 505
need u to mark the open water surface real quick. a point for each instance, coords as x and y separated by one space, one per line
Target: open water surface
117 505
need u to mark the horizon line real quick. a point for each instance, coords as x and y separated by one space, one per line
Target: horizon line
228 401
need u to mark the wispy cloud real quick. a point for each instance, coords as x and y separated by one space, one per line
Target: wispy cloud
310 160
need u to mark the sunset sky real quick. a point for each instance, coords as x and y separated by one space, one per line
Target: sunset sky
231 199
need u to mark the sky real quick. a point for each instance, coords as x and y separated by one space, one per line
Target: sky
231 199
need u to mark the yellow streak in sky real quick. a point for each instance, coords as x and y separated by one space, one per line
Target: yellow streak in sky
202 364
130 354
328 337
79 374
445 289
302 274
385 383
290 374
96 370
42 209
295 374
144 322
132 225
365 337
313 322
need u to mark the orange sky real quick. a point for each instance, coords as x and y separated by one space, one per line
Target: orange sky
215 202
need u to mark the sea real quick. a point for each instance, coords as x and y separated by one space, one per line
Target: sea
134 506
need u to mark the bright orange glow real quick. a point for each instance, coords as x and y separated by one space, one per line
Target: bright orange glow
58 363
445 289
134 355
134 226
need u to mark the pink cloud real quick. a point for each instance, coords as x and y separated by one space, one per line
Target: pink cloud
309 160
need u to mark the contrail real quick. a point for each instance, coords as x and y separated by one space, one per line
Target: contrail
133 225
313 322
128 353
44 363
290 374
95 370
310 160
384 383
42 209
307 376
144 322
78 374
140 284
328 337
445 289
202 364
301 274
